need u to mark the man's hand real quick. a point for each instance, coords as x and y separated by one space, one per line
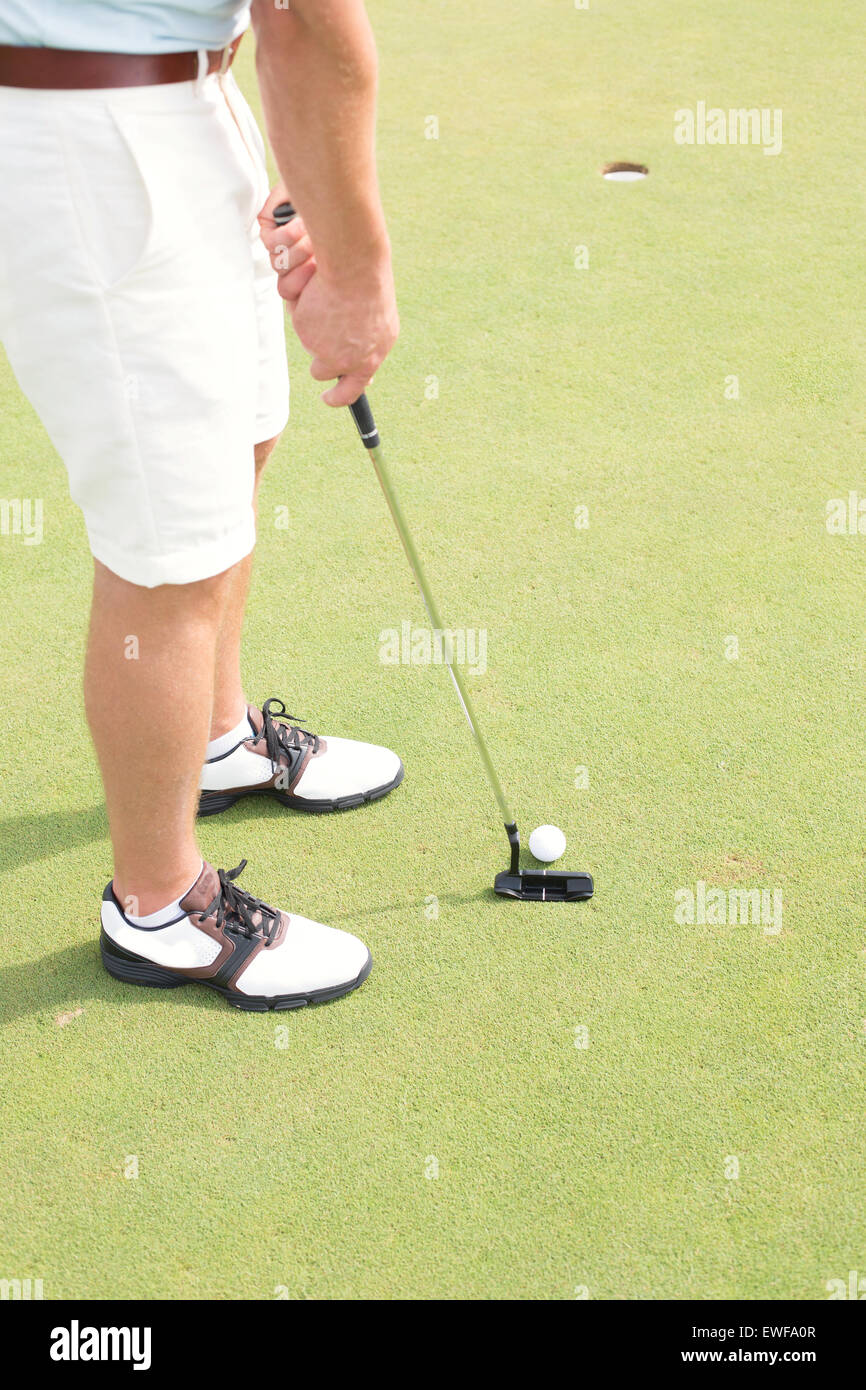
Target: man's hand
289 246
316 64
347 322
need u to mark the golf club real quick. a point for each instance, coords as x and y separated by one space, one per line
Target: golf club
537 885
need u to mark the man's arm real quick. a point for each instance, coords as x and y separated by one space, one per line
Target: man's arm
316 66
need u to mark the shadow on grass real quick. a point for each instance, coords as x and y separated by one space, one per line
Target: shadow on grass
29 838
486 895
74 977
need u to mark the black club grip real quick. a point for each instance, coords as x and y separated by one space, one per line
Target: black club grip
363 417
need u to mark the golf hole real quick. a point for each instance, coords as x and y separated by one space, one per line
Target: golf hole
622 172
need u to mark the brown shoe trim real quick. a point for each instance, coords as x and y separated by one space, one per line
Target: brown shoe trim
201 894
257 720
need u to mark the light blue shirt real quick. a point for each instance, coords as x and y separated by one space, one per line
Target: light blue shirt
123 26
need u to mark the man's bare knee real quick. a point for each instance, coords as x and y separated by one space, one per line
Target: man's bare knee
204 595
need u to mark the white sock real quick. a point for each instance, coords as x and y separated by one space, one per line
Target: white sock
226 742
163 914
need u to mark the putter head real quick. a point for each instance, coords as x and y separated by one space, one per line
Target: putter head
539 885
544 885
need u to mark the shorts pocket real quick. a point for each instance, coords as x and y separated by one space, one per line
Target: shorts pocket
110 193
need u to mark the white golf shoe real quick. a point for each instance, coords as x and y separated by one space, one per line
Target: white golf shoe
300 769
255 956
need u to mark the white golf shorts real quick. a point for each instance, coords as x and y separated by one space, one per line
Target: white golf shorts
140 314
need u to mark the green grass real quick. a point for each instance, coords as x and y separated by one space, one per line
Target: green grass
304 1166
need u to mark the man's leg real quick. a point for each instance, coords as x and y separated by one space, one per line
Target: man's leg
229 701
149 685
149 716
313 774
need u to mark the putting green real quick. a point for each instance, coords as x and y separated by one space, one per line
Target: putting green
523 1101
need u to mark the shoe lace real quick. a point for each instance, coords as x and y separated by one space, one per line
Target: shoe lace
236 909
288 739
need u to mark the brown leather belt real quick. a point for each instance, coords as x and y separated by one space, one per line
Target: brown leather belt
65 69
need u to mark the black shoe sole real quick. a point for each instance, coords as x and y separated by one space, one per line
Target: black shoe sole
137 970
211 803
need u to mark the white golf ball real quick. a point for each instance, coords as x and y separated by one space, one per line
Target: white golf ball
547 843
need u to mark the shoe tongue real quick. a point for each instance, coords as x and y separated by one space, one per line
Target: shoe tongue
255 717
203 891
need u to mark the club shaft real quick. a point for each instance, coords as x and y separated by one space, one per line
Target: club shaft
363 416
433 614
